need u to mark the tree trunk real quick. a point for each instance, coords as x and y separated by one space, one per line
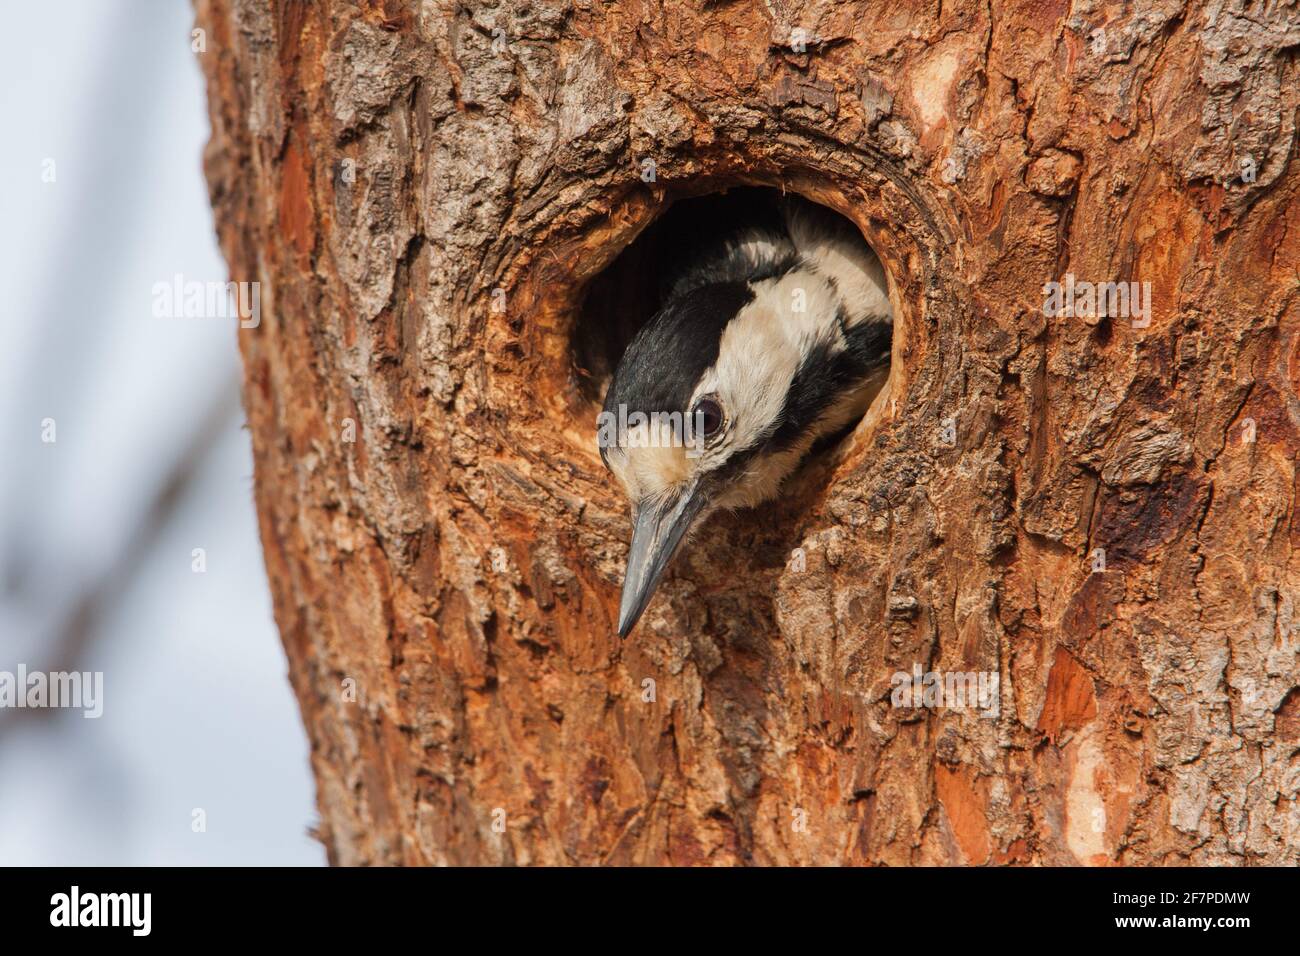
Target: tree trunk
1096 508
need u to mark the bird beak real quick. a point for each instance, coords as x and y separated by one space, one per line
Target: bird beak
658 530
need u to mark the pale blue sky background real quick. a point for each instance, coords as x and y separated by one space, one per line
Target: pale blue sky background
198 712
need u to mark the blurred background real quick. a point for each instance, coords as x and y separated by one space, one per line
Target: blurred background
105 120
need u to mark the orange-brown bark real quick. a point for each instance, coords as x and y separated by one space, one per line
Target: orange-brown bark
1099 511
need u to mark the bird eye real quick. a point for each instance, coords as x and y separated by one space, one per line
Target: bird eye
708 413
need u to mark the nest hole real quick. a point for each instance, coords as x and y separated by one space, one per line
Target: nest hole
627 294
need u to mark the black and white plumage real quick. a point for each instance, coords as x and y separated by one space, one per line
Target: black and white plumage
774 332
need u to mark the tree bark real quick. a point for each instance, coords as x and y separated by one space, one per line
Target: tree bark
1100 511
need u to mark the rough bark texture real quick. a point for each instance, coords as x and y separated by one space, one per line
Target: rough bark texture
382 168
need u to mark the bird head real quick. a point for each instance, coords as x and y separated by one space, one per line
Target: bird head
725 390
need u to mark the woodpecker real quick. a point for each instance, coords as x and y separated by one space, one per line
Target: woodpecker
773 332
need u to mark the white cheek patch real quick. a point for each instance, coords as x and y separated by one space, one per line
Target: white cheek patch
806 306
761 352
